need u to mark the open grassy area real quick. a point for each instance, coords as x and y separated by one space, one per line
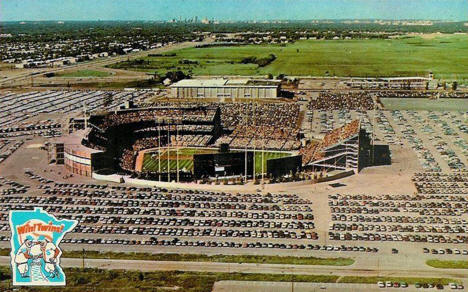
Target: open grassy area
134 281
409 280
447 264
417 104
445 56
204 258
151 162
84 73
213 258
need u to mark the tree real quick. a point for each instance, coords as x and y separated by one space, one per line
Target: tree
175 76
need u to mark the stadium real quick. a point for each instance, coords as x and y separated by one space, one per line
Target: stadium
210 141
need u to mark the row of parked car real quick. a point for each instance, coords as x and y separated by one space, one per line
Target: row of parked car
454 251
390 284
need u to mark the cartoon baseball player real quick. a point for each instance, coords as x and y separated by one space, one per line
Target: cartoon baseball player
23 255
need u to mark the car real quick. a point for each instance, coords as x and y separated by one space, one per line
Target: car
388 284
394 251
404 285
381 284
453 286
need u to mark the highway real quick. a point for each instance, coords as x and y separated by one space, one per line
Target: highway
353 270
101 62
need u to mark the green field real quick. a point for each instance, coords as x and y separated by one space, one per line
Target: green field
266 156
447 264
210 258
420 104
446 56
135 281
84 73
151 161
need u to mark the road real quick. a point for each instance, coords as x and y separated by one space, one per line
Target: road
101 62
353 270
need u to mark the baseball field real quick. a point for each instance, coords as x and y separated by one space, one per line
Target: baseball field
151 159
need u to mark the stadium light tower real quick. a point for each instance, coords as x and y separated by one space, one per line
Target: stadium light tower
85 114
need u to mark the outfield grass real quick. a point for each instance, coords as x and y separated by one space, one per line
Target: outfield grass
445 56
84 73
266 156
447 264
419 104
151 163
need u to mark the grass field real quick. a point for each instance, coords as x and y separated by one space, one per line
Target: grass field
151 161
84 73
443 104
445 56
135 281
447 264
267 156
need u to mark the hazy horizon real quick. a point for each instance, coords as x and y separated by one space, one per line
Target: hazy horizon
232 10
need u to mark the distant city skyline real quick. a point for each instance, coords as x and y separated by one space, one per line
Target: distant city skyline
234 10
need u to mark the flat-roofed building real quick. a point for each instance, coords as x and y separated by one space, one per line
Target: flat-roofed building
226 88
389 83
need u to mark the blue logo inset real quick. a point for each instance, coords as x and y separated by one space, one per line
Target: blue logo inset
35 253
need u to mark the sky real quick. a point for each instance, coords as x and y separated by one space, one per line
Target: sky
15 10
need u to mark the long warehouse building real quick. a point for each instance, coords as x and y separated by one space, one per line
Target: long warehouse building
226 88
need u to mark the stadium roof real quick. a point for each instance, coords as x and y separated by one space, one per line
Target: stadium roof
223 82
73 141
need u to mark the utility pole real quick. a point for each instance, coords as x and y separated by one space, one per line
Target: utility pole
263 160
168 152
254 141
373 136
177 150
245 170
159 148
83 257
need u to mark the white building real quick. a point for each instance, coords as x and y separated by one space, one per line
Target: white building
226 88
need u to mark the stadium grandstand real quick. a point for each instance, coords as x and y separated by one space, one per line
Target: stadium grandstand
344 148
169 141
